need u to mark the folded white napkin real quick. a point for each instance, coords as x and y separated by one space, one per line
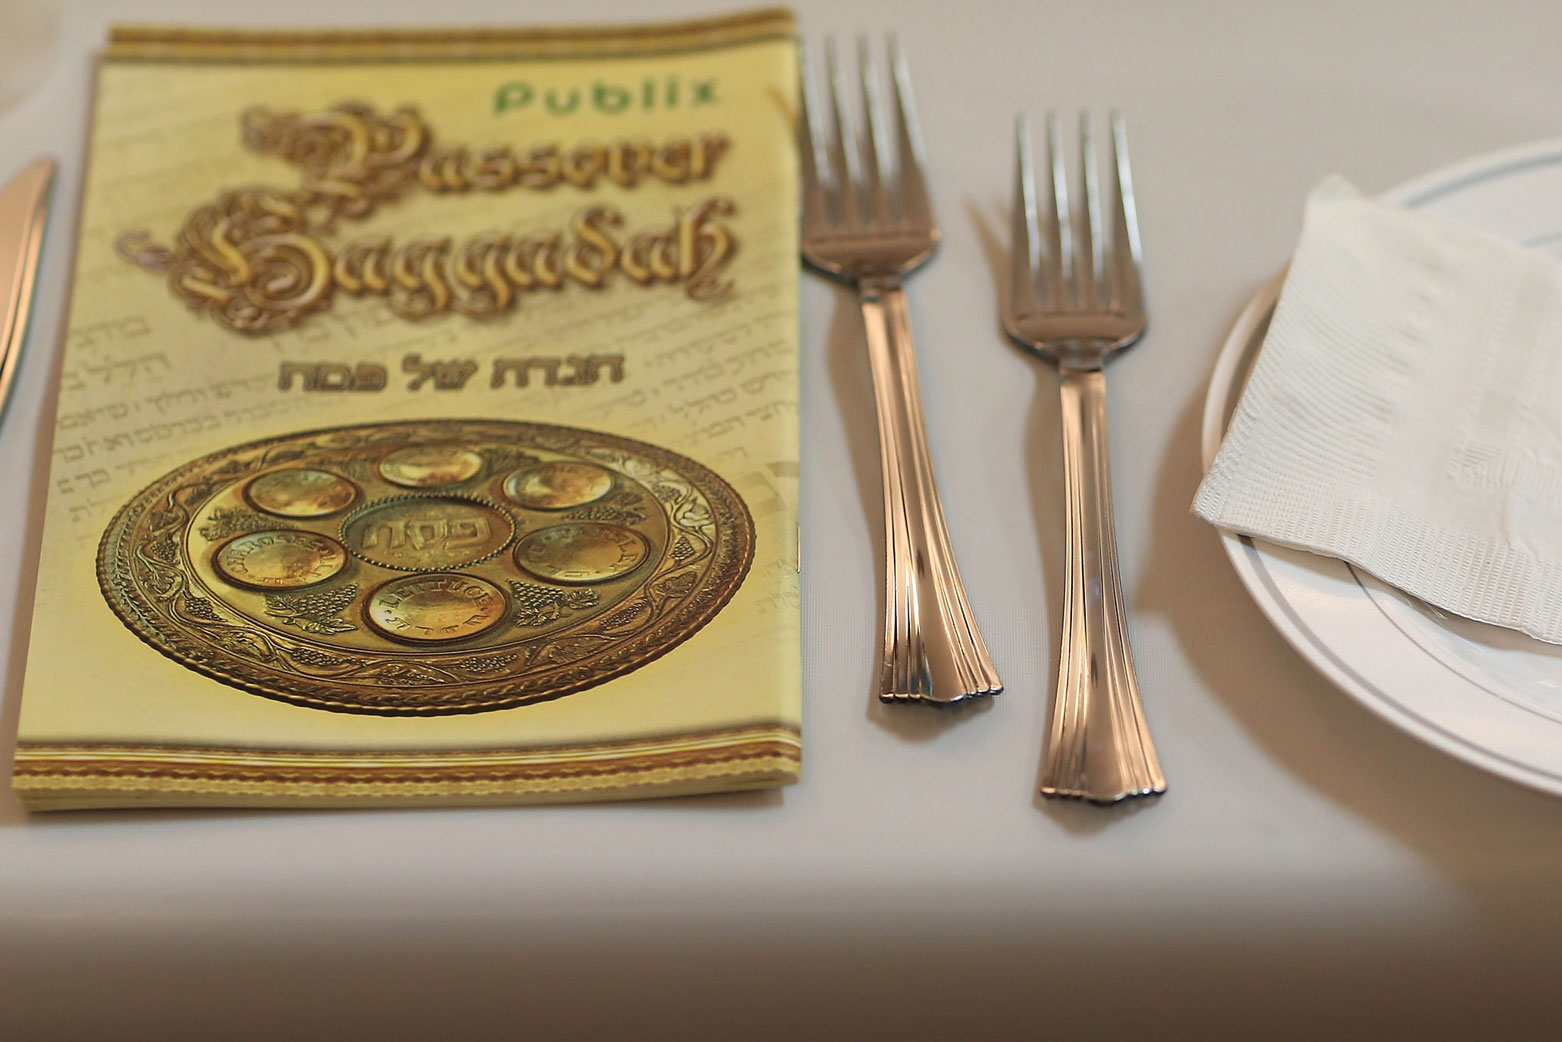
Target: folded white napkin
1405 413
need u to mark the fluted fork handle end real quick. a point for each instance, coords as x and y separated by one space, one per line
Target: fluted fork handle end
1105 797
917 683
1108 780
930 698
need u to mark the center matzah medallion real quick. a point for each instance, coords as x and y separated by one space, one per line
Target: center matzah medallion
427 567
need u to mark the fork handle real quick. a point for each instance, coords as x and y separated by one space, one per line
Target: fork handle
1098 744
932 650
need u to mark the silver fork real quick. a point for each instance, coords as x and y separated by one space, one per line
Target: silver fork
1076 305
869 224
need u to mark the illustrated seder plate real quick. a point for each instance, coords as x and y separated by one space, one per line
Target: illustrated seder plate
427 567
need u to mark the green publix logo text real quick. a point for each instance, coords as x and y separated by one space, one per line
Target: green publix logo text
654 93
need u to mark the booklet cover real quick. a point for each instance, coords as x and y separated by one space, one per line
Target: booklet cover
427 424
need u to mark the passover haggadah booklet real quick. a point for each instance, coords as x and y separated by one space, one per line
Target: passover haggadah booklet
427 425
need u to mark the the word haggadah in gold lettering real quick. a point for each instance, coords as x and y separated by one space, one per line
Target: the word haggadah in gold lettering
484 275
254 259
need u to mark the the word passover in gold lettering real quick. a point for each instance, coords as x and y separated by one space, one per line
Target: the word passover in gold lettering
625 163
254 259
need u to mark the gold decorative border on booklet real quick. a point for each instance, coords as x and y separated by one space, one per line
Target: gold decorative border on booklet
79 777
171 43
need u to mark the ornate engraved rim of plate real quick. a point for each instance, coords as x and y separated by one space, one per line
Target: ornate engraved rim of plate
426 567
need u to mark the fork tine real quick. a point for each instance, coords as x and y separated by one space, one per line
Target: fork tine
873 162
1090 238
1126 255
843 152
810 158
1022 236
916 209
1060 270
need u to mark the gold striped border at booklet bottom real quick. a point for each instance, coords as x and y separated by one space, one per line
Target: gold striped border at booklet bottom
60 776
179 43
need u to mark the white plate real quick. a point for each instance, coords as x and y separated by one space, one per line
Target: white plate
1491 697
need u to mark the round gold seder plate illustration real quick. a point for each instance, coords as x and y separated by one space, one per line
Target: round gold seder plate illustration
429 567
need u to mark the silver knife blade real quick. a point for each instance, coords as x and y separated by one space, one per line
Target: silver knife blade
24 203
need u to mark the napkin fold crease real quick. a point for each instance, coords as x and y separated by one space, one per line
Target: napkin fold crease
1405 412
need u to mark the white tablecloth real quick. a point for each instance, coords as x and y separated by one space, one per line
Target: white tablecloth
1312 873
